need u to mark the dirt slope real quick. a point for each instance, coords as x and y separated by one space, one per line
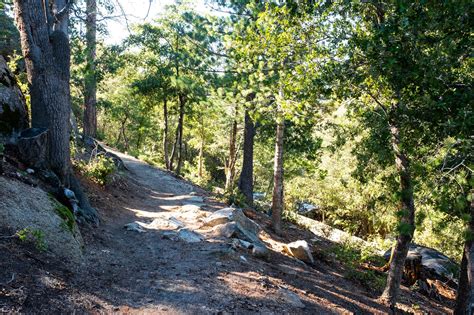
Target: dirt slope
127 272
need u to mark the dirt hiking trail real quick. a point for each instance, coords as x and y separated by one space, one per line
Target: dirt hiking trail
151 270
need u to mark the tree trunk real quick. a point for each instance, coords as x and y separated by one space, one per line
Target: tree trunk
180 136
47 64
407 219
277 197
175 148
90 81
45 47
246 175
165 134
231 159
465 293
201 151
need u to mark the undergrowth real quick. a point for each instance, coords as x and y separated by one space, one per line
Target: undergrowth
34 236
356 258
68 217
98 169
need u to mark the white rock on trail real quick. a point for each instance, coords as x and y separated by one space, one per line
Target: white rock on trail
134 226
189 236
300 250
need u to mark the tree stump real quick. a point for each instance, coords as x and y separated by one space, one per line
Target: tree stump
412 271
32 146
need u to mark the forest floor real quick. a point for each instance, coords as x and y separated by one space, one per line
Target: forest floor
127 272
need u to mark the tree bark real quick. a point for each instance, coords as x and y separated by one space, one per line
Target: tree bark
90 81
277 197
201 150
45 47
246 175
165 134
180 135
407 219
465 293
231 159
47 63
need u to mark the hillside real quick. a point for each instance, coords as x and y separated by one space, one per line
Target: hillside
129 272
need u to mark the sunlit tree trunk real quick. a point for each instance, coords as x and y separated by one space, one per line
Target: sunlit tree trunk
407 214
465 293
231 159
277 197
90 81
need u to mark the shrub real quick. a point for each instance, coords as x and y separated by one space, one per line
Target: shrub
97 169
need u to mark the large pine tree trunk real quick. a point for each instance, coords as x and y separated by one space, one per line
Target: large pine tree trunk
465 293
90 82
407 218
45 46
277 197
231 159
47 63
165 134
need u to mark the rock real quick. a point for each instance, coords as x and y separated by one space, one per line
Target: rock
175 222
13 111
247 227
243 258
300 250
289 297
134 226
189 236
169 235
25 207
260 251
219 217
226 230
434 264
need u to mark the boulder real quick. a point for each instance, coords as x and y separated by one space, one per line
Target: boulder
27 208
300 250
219 217
226 230
433 263
13 111
247 227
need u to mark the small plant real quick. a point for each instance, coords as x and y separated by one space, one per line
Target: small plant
97 169
34 236
65 214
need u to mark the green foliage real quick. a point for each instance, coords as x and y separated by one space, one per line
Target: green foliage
65 214
337 73
34 236
98 168
353 256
